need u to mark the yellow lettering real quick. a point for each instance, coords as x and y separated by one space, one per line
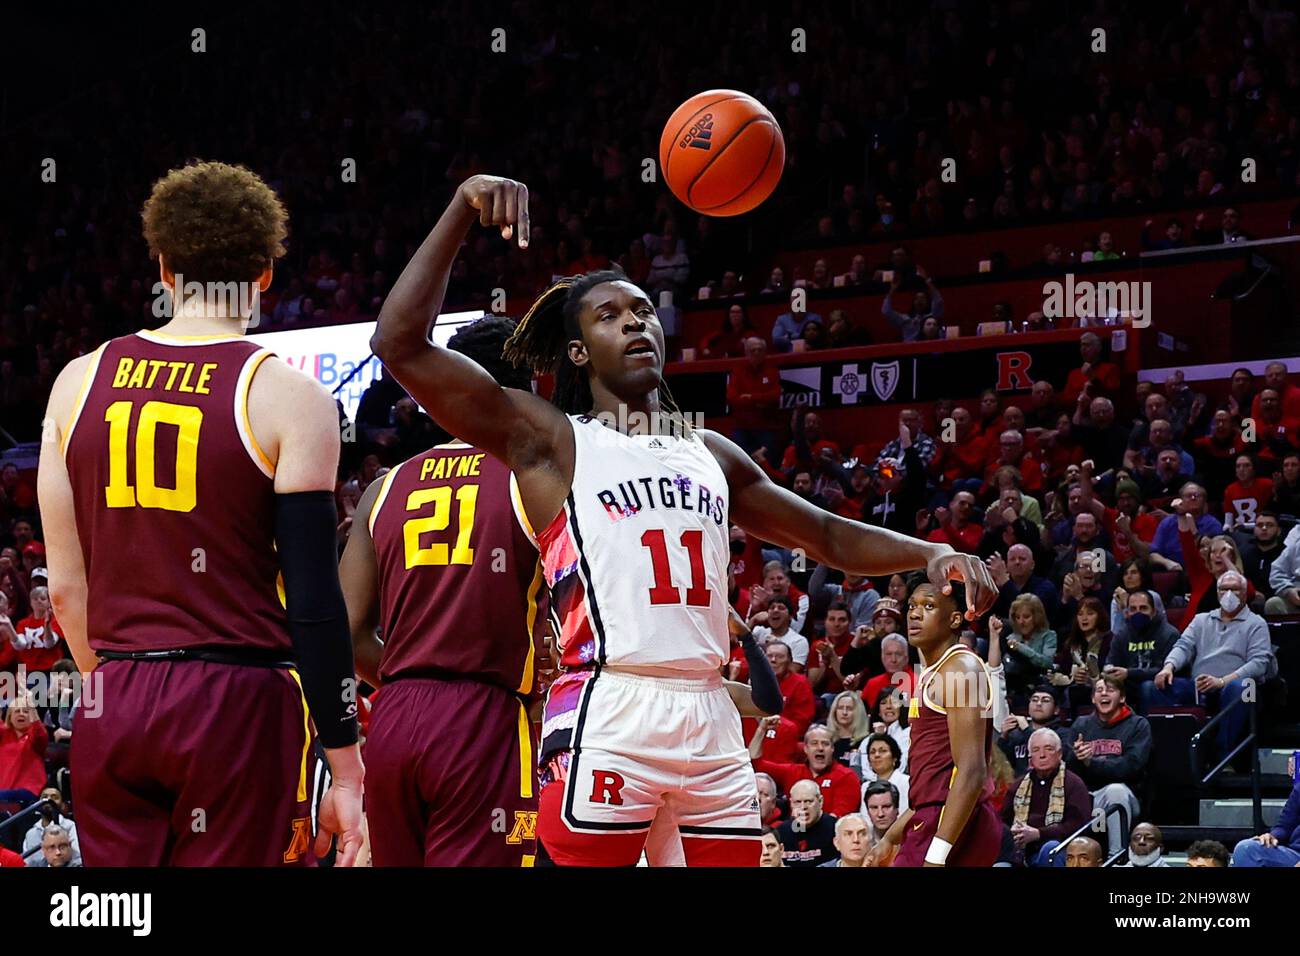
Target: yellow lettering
204 374
425 467
185 385
463 463
478 461
438 467
175 367
137 375
154 366
123 373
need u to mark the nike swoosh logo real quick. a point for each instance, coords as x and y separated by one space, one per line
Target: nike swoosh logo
917 826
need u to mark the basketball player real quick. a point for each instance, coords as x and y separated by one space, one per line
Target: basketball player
634 532
442 559
951 821
183 472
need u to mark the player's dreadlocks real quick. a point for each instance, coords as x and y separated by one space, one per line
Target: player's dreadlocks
540 343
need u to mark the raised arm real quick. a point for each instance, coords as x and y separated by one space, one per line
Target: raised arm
521 429
785 519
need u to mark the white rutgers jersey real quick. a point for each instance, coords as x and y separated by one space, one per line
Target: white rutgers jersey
637 559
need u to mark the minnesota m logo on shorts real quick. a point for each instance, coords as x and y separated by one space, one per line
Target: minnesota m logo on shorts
525 827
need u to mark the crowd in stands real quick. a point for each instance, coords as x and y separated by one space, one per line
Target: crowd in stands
1137 559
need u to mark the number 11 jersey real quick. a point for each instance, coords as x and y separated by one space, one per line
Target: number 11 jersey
636 560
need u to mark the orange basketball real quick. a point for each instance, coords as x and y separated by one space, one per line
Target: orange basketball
721 153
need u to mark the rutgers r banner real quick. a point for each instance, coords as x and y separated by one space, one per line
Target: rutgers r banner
923 378
1010 364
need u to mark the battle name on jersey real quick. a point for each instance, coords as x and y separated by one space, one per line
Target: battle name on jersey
682 493
179 376
451 466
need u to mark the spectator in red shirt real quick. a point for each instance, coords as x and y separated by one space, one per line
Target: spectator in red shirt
10 858
23 740
808 444
754 395
964 458
795 691
1013 419
729 341
824 660
893 654
1011 454
1275 377
1276 433
1215 452
1247 496
957 525
1095 377
839 784
38 635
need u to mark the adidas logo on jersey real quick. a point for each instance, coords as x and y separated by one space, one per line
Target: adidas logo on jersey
700 135
656 443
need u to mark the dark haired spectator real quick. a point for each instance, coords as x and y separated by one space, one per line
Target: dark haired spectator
1207 853
1016 729
1229 229
1140 646
882 762
1217 453
927 303
1110 752
1081 656
1259 552
1286 490
729 341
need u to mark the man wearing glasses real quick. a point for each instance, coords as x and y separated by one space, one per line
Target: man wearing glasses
1191 501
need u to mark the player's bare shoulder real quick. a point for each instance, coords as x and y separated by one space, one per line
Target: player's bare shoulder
63 397
960 681
286 406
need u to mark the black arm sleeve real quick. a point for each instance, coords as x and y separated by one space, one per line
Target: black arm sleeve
762 679
305 537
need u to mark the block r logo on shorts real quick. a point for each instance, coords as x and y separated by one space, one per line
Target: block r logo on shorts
607 787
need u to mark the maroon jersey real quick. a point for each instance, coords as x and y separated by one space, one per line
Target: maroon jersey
174 500
461 591
930 765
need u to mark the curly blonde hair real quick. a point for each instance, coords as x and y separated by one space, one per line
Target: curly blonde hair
214 222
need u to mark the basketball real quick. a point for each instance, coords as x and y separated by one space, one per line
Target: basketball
722 153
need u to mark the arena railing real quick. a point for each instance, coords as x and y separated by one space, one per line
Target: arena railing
1198 761
1114 808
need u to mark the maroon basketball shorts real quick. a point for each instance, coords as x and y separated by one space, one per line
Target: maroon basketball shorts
978 844
450 775
193 763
